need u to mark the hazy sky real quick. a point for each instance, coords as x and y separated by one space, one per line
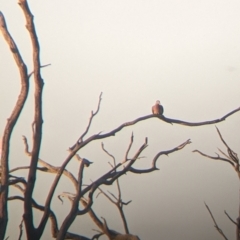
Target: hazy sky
184 53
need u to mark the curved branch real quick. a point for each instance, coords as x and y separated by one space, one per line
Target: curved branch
154 161
53 219
215 158
75 203
230 218
77 146
10 123
168 120
232 155
108 179
215 223
93 114
129 147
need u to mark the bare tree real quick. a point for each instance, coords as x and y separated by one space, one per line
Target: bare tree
83 194
231 158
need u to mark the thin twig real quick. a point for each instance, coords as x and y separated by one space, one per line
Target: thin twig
154 161
21 230
215 158
93 114
230 218
43 66
129 147
215 223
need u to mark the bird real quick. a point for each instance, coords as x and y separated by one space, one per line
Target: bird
157 109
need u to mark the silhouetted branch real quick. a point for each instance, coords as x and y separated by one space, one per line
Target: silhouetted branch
50 168
53 219
215 223
10 123
223 153
97 236
43 66
76 147
165 119
43 169
154 161
232 155
118 203
21 230
93 114
129 148
215 158
231 158
230 218
161 117
74 209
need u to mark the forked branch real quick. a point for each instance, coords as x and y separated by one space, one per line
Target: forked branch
93 114
231 158
215 223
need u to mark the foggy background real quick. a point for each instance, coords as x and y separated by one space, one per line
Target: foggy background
184 53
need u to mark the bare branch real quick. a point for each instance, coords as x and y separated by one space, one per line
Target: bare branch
114 195
230 218
108 179
215 158
97 236
10 123
43 66
129 147
70 196
80 145
93 114
154 161
48 167
220 135
106 195
231 153
215 223
160 117
43 169
231 158
21 230
119 203
117 181
74 209
19 187
110 155
223 153
54 225
31 232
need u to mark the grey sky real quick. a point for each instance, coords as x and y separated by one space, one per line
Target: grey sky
184 53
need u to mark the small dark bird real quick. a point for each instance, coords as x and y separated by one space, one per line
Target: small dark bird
157 108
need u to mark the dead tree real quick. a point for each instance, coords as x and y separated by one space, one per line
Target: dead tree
231 158
26 186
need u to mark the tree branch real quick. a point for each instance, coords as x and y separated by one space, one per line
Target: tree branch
53 219
215 223
12 120
215 158
154 161
232 157
93 114
32 233
74 209
230 218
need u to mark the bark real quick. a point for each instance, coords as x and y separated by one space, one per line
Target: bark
11 122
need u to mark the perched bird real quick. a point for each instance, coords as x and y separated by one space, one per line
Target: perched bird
157 108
